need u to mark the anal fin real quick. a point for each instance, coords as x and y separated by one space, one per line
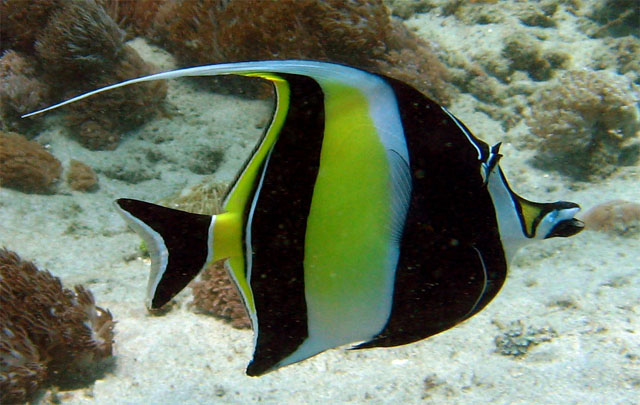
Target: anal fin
178 242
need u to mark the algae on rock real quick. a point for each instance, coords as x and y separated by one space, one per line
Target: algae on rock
585 124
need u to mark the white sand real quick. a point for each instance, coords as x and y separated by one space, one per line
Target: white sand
586 288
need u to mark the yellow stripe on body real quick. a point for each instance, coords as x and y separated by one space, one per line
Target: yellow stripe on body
229 227
348 233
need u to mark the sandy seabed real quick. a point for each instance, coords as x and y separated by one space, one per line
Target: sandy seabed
579 296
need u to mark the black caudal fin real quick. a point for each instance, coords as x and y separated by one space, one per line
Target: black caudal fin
178 242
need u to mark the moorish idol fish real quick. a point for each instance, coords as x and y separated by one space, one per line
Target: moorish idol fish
367 214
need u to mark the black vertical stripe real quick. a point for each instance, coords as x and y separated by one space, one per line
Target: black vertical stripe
451 220
279 225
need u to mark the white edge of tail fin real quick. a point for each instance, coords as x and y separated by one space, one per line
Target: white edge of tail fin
156 247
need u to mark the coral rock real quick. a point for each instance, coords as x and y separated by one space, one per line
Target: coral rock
215 294
617 216
586 124
81 177
26 165
50 334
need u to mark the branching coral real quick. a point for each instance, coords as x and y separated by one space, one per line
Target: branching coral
215 294
26 165
50 334
586 124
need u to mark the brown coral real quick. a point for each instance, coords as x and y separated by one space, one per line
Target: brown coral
81 177
135 16
22 371
79 41
586 124
359 33
22 21
98 122
26 165
20 90
82 42
50 334
78 47
616 216
215 294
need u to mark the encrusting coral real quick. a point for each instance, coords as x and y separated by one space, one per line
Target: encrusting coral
585 124
26 166
49 334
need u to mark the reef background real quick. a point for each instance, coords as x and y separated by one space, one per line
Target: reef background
564 328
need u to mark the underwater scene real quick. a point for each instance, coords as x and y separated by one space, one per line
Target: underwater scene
337 175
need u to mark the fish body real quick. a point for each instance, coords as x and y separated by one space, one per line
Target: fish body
367 214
